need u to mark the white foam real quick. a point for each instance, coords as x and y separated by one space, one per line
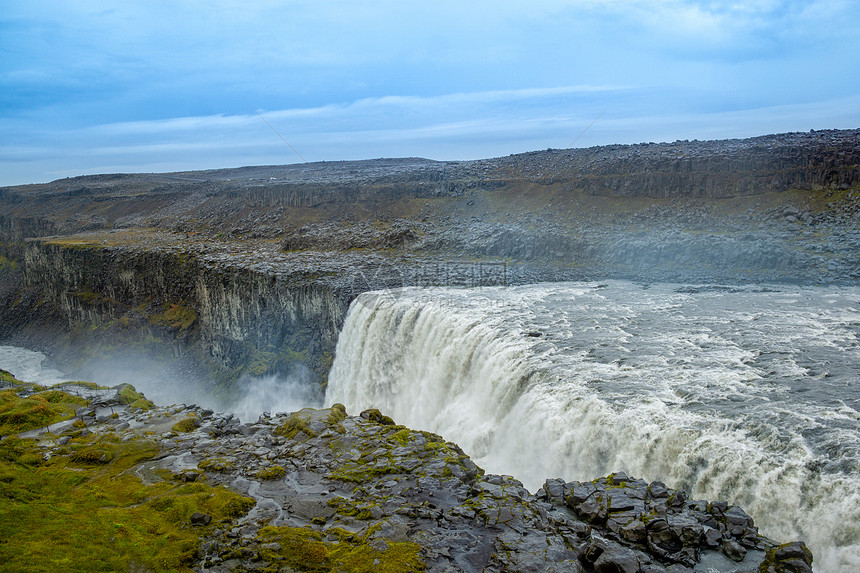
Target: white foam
26 365
683 387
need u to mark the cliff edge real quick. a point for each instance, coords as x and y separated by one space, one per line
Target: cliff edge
90 472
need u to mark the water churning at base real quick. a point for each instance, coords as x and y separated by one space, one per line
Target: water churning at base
747 394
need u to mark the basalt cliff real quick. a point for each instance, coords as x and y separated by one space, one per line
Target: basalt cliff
233 273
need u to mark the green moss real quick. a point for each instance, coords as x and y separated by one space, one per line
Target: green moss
134 399
216 465
86 296
60 397
92 455
337 415
272 472
63 515
402 436
326 359
8 377
297 422
357 472
375 415
234 505
303 549
434 446
85 384
185 425
19 414
345 507
175 317
261 363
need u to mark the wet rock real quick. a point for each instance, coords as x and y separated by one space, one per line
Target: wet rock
733 550
200 519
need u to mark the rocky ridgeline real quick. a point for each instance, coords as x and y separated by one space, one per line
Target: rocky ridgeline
722 168
334 492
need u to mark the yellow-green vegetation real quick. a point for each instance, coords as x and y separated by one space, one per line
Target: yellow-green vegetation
75 242
365 469
7 264
84 509
297 422
19 414
272 472
216 465
176 317
85 384
134 399
345 507
261 362
185 425
338 414
401 436
375 415
303 549
7 377
86 296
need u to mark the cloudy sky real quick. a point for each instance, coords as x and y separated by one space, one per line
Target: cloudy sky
98 86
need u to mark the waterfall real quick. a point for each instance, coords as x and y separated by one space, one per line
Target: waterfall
580 380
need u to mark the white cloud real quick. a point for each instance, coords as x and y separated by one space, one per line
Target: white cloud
175 81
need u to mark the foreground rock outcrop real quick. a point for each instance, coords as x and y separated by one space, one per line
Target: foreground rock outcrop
320 490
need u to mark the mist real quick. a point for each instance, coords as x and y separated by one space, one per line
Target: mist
165 382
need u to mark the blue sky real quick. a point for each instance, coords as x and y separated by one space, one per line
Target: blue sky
97 86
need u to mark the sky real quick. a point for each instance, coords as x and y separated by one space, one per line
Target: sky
103 87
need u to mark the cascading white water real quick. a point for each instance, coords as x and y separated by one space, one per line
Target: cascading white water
27 365
749 395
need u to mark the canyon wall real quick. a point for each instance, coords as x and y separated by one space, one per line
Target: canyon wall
250 271
231 321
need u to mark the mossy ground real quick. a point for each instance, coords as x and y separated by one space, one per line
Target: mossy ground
303 549
185 425
84 509
134 399
272 472
20 414
297 422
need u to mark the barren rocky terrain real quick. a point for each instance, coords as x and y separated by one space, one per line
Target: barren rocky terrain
257 265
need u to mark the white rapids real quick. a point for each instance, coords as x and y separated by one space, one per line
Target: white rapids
748 394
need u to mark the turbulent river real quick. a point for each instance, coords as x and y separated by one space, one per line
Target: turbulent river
748 394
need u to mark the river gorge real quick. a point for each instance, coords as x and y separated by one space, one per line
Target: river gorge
682 312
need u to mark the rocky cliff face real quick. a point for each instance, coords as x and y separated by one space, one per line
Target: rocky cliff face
236 320
250 271
815 160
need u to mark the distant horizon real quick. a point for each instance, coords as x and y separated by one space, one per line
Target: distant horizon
88 87
369 159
